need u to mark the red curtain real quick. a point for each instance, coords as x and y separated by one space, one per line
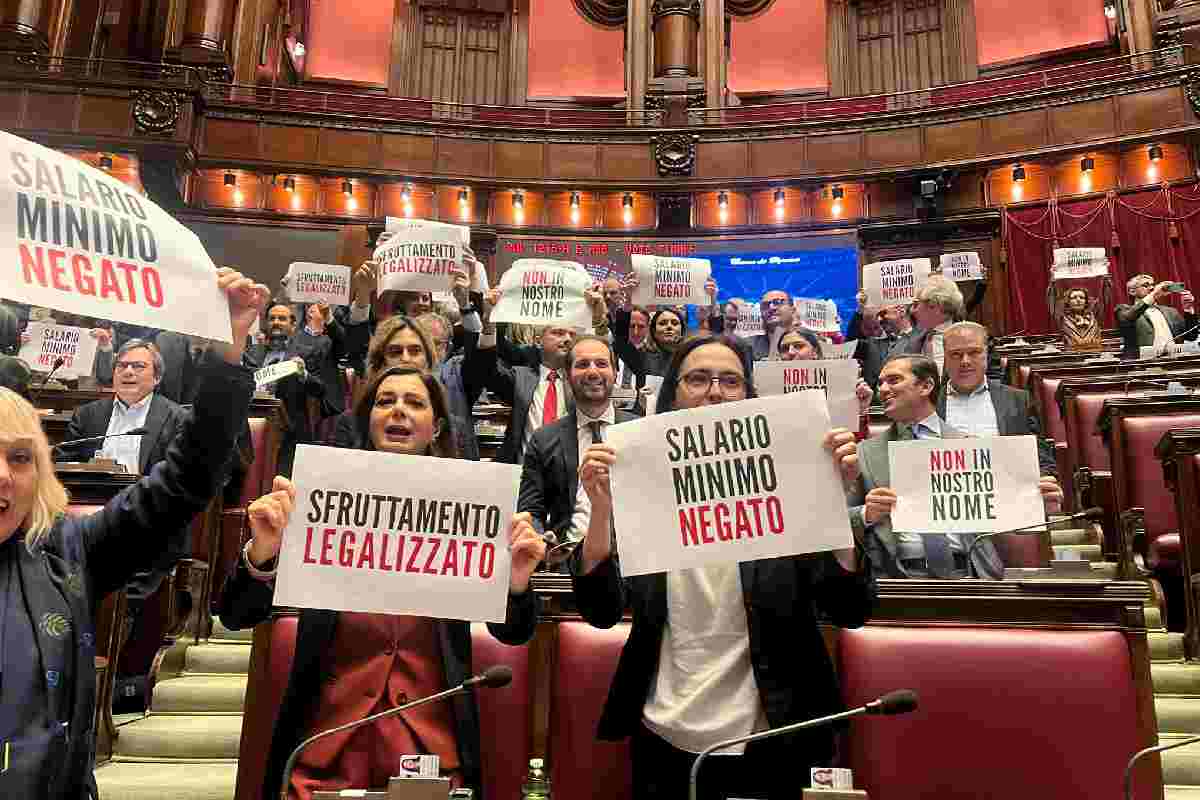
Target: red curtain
1143 222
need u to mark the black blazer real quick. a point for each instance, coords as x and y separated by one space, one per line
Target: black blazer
792 667
1137 331
516 386
294 390
550 476
324 353
163 421
1014 417
246 601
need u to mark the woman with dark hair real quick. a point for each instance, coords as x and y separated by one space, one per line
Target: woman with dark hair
379 659
804 345
722 651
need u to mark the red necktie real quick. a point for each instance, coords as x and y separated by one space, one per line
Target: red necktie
550 406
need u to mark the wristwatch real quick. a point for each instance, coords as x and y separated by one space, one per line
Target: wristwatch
255 572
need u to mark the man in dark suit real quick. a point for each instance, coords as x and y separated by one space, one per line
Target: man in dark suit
1147 321
550 489
874 344
321 341
777 313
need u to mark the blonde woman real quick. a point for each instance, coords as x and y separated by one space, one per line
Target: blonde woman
56 568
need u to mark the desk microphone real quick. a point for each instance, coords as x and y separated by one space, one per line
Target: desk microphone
58 362
491 678
900 701
1185 333
1149 750
90 439
1095 514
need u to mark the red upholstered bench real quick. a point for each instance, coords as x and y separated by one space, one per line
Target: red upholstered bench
582 767
1004 713
270 668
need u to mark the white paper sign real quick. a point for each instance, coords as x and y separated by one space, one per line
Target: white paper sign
843 350
542 291
319 283
726 483
962 266
833 379
818 315
972 485
1080 262
889 283
48 343
274 372
419 255
73 237
749 319
674 281
383 533
1169 351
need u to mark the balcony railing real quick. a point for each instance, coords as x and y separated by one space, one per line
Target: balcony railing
376 107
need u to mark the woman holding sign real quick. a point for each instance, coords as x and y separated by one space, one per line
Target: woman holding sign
380 660
717 652
803 345
55 568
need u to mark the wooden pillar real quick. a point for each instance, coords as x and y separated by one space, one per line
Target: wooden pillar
837 44
1139 28
207 27
958 32
25 24
715 64
638 43
675 24
406 26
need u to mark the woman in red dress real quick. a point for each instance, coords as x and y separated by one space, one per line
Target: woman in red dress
349 665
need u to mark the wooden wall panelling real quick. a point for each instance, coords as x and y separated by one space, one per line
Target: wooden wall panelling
966 192
960 40
631 162
1138 170
891 199
1079 122
835 153
723 159
1020 130
559 215
567 161
49 110
484 59
852 204
105 116
348 148
1002 190
771 157
893 148
643 215
1151 110
227 138
290 144
872 31
766 211
12 101
451 210
1068 179
354 245
421 202
838 51
518 54
406 27
953 141
706 210
520 159
301 199
209 189
463 156
335 202
923 53
505 210
436 72
407 153
126 167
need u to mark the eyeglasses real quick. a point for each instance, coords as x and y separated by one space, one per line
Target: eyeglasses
799 347
700 380
778 301
138 367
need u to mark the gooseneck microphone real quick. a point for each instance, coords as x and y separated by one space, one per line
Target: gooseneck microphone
1094 514
491 678
58 362
900 701
102 437
1148 751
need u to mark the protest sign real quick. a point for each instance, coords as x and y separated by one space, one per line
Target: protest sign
1079 262
962 266
541 291
749 318
889 283
1168 350
818 315
440 549
318 283
419 255
972 485
48 343
834 378
726 483
843 350
270 374
73 237
674 281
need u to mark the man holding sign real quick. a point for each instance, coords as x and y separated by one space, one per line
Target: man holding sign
726 649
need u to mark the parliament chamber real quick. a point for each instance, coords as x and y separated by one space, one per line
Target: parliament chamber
807 137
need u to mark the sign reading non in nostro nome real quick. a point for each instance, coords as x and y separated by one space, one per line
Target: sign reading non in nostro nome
419 255
539 291
889 283
726 483
962 266
835 379
385 533
973 485
671 280
74 238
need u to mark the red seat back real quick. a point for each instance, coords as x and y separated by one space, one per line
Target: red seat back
504 722
1087 446
259 474
1004 713
270 669
1141 482
1049 413
581 767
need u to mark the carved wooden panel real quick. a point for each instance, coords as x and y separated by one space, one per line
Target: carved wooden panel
484 78
874 25
953 141
230 138
1079 122
1020 130
289 143
722 159
352 148
571 160
1069 178
439 52
893 148
827 208
1151 110
210 190
407 153
453 206
51 111
104 115
777 157
464 156
923 56
10 110
335 202
520 159
966 192
463 56
834 153
891 199
627 162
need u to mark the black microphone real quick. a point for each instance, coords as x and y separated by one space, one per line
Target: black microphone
58 362
491 678
1185 333
89 439
900 701
1095 514
1149 750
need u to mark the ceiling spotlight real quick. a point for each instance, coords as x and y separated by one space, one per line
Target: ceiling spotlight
289 184
105 162
722 200
347 188
627 200
462 197
779 197
518 200
575 200
1087 164
838 193
230 179
1018 174
1156 153
406 193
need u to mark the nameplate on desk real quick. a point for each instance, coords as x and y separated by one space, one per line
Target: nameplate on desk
105 465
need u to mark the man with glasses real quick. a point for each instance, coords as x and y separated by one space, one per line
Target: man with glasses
777 315
1147 321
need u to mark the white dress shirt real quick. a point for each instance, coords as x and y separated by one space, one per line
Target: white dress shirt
1162 330
973 413
534 420
912 545
126 450
583 504
935 346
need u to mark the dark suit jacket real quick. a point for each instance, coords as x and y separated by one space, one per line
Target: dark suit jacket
1014 417
516 387
550 476
163 421
791 664
1138 331
10 331
325 353
293 390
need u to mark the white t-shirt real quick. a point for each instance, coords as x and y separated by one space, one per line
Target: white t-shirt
705 689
